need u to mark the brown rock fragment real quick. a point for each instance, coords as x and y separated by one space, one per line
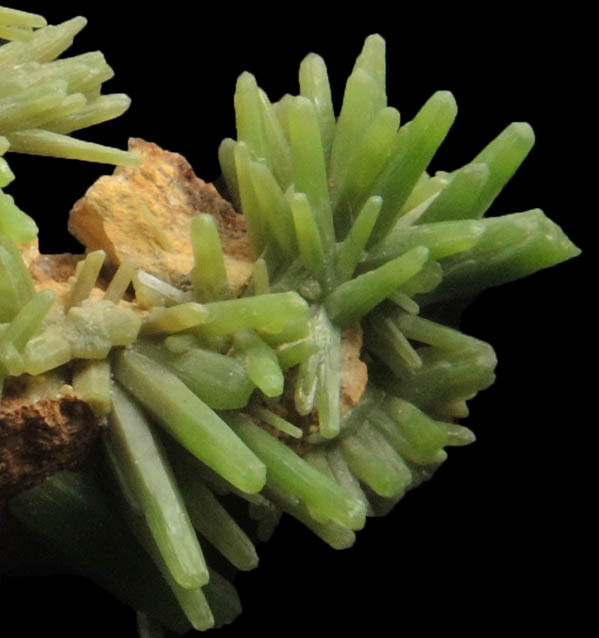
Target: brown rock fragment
40 438
145 212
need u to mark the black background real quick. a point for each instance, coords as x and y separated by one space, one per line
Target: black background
490 542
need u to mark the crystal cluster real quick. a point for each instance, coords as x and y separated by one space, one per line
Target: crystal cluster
211 391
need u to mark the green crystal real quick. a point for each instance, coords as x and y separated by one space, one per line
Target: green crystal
140 458
189 420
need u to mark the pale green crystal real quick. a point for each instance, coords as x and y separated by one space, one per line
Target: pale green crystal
208 275
289 471
189 420
92 384
141 458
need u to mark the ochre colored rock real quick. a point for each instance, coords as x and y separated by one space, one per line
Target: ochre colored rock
354 372
145 212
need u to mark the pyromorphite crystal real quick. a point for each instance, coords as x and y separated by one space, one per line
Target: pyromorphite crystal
42 98
190 421
147 472
290 357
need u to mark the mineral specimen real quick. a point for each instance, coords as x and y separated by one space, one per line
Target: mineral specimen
304 359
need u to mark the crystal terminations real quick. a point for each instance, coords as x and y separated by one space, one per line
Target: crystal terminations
211 386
